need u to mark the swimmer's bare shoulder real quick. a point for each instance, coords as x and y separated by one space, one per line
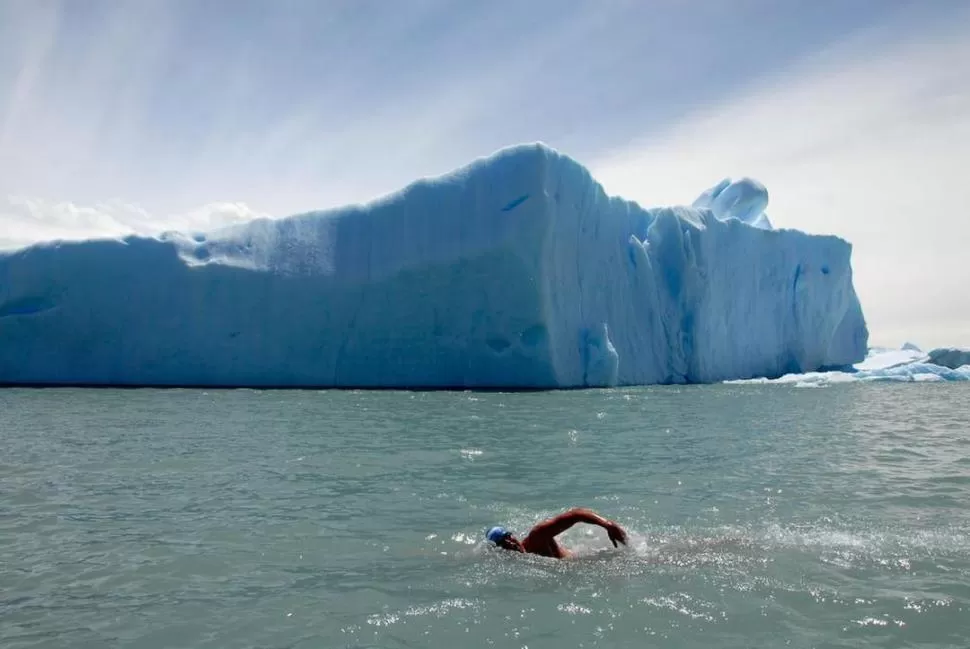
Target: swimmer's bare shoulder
541 539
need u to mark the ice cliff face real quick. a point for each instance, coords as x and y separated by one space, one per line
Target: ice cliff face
516 271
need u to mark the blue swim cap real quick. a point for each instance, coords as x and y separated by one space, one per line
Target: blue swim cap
496 534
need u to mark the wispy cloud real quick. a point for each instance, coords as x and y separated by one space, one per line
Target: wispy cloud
308 104
867 140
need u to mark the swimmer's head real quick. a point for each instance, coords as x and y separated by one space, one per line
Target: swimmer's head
504 539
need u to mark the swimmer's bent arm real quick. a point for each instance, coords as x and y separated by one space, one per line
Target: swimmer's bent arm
552 527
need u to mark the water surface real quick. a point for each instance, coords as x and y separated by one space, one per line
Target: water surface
760 516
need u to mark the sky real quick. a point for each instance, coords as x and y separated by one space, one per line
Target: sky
173 114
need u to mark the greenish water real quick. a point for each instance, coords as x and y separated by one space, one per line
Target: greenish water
760 516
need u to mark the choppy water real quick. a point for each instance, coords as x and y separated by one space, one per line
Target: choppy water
763 516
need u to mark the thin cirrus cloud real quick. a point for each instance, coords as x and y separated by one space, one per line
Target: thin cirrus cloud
303 104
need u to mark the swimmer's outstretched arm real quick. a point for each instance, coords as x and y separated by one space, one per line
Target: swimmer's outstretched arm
552 527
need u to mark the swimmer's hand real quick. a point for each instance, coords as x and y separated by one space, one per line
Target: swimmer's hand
616 533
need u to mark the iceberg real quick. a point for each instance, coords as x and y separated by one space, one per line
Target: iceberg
516 271
950 357
744 200
907 365
910 373
884 358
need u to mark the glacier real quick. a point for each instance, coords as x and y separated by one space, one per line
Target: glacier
515 271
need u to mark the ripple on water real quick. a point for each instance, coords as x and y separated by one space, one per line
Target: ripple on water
164 518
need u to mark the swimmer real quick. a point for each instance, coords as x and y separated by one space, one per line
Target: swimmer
541 539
